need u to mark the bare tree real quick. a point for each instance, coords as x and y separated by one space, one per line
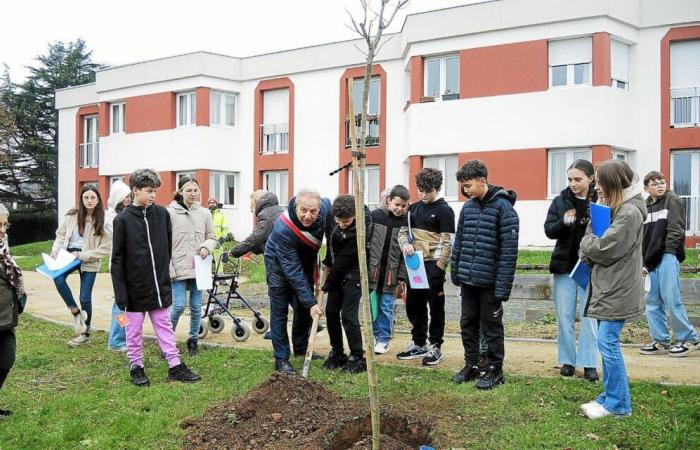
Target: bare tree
371 32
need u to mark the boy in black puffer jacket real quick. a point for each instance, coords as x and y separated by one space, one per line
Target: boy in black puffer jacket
343 287
483 264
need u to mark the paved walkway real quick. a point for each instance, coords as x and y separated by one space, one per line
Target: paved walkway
527 358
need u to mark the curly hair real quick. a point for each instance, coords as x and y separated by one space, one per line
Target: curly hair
343 207
143 178
472 170
428 179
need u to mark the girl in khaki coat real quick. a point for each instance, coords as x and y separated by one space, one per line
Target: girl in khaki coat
82 233
193 236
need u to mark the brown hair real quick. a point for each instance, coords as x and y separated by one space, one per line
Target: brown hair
614 177
98 214
653 175
177 195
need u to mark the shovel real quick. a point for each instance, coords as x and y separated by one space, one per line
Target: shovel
314 325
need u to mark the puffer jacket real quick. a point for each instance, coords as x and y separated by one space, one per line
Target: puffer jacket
342 253
267 210
617 287
193 230
568 236
141 258
289 261
94 249
486 243
386 265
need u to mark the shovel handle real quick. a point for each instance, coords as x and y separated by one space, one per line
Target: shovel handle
314 326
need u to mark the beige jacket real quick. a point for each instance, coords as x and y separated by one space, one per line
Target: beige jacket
95 248
193 230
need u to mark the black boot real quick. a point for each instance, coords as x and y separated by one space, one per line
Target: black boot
468 373
182 373
493 377
356 364
283 366
335 360
5 413
192 347
138 376
590 374
567 370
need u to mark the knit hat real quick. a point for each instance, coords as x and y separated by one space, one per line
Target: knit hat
117 193
213 199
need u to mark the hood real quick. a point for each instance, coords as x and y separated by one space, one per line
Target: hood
268 199
495 192
633 195
440 201
117 193
181 208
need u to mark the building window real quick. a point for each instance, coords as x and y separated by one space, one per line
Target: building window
275 138
559 161
570 62
277 182
93 184
372 183
224 186
89 148
448 165
441 77
186 109
179 175
685 83
274 131
685 182
116 117
223 109
619 65
373 113
116 178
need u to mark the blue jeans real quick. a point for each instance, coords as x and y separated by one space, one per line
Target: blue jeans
565 293
117 333
87 281
616 396
665 294
179 289
383 324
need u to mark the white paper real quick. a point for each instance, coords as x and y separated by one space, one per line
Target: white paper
647 283
63 258
202 272
417 278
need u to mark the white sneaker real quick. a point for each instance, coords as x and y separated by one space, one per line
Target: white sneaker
684 349
595 411
381 347
585 406
79 340
78 323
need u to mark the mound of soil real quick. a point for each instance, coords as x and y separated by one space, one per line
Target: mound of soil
291 413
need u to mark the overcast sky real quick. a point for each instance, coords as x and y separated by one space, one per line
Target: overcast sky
123 31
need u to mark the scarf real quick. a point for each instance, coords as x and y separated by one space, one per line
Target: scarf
14 273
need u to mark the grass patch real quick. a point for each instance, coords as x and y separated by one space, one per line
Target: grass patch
82 398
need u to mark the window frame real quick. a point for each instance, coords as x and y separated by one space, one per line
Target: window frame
221 196
121 112
191 105
569 151
277 174
182 173
442 89
374 168
694 187
114 178
442 166
222 109
570 76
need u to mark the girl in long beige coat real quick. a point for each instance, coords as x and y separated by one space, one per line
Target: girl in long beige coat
193 237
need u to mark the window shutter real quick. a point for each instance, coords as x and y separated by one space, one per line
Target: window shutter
685 64
619 56
276 106
570 51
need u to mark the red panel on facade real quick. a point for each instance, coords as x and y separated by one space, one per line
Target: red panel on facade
415 164
600 153
150 112
601 59
203 100
416 78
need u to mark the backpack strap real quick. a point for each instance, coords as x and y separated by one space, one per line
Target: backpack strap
304 236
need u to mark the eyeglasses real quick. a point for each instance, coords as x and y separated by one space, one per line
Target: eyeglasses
654 184
5 225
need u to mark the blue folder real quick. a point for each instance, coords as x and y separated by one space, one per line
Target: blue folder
581 274
42 269
600 219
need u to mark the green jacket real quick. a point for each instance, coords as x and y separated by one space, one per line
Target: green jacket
617 286
220 225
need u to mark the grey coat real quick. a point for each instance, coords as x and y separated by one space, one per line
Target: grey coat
267 210
617 287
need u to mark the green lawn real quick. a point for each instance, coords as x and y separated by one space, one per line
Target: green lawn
81 398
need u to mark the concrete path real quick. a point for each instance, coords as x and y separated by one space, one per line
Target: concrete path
522 356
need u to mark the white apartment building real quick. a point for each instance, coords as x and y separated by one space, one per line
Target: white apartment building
525 85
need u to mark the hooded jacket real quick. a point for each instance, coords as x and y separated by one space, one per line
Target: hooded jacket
432 226
267 210
192 230
289 261
664 230
386 265
617 288
141 251
486 243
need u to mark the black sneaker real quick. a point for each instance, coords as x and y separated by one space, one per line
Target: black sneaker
434 356
138 376
590 374
314 356
356 364
493 377
412 351
5 413
192 347
335 360
182 373
655 348
468 373
567 370
283 366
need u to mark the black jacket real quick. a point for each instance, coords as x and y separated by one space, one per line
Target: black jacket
267 210
141 252
8 302
341 251
664 230
565 254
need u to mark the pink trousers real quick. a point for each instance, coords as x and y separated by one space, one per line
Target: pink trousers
160 318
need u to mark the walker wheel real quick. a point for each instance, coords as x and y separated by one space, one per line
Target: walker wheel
203 328
240 333
216 324
260 325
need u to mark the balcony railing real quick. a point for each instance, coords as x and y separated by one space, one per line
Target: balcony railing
274 138
372 137
89 154
691 203
685 106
